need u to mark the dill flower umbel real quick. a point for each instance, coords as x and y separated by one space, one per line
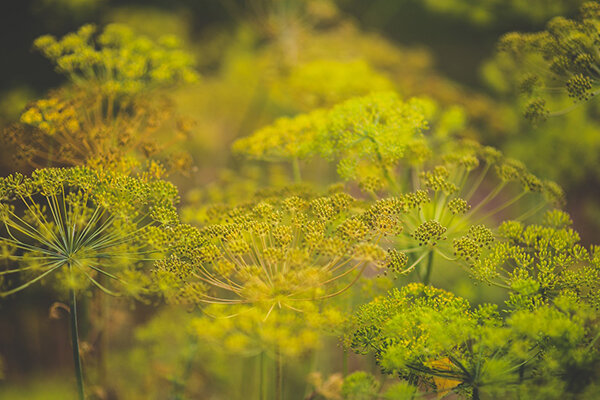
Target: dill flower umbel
375 129
539 262
564 54
434 339
443 191
110 109
279 253
74 225
117 60
82 228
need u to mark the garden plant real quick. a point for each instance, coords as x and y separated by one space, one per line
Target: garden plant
351 225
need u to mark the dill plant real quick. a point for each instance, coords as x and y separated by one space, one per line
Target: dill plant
323 83
111 106
442 190
287 246
267 268
262 269
269 265
444 196
562 58
543 344
263 264
541 261
440 343
81 229
550 77
334 58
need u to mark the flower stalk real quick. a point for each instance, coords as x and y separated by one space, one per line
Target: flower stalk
75 343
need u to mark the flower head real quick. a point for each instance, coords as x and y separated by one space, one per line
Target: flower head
76 225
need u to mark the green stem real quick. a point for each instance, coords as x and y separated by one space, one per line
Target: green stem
591 344
75 344
312 366
391 181
180 385
428 269
261 376
104 339
501 207
475 393
414 264
532 211
478 181
278 376
296 170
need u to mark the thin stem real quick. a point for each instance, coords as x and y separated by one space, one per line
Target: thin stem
487 198
393 184
413 265
278 375
532 211
428 269
445 256
296 170
104 339
477 182
261 376
501 207
75 344
52 267
312 367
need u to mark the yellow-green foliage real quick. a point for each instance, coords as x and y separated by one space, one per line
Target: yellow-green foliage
569 159
175 362
286 139
363 386
376 129
258 82
326 82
